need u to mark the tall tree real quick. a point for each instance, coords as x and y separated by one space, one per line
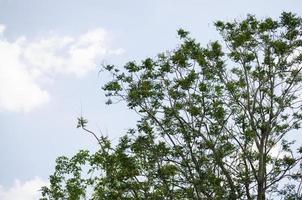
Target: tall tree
215 121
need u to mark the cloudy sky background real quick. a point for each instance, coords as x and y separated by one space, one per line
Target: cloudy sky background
50 55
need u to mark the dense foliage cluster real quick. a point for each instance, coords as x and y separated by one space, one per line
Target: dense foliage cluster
215 121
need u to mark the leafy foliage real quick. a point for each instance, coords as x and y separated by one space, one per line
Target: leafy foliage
212 119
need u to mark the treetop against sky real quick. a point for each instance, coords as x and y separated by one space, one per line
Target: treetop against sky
51 53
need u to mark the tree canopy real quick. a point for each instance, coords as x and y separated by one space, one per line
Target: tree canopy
215 121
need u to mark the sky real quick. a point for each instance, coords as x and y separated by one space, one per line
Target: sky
50 58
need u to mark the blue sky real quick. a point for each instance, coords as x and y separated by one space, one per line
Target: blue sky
50 53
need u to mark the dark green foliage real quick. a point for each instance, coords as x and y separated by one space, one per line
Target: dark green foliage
212 121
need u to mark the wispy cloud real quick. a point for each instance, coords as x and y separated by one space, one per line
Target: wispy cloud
24 63
28 190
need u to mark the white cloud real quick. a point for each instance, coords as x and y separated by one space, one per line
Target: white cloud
28 190
2 29
24 63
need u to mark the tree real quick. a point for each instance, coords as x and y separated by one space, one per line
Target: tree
215 121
